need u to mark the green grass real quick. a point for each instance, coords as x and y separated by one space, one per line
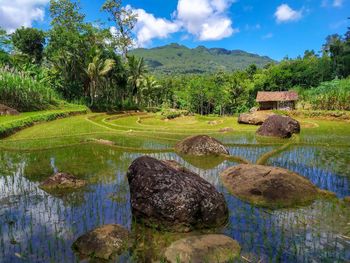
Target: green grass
11 124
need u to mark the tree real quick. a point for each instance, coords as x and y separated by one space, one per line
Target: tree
96 71
136 71
125 20
29 41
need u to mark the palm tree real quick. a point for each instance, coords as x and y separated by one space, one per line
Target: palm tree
96 71
137 70
149 90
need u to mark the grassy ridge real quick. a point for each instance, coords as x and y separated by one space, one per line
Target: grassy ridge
11 124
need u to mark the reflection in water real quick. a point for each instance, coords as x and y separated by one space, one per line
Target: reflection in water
38 227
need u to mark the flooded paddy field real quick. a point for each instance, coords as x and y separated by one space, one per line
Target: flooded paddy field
36 226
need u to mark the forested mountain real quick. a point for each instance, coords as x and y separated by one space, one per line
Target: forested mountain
175 58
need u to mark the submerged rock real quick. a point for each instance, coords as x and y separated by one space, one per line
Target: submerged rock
62 181
200 145
167 196
5 110
103 242
254 117
203 248
269 186
279 126
226 129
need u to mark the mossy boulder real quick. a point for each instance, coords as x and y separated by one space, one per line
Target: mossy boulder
166 196
62 181
103 242
200 145
267 186
279 126
203 248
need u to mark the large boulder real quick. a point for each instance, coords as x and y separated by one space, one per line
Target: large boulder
203 248
5 110
269 186
103 242
200 145
254 117
167 196
62 181
279 126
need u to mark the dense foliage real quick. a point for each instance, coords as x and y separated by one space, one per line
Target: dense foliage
23 92
91 64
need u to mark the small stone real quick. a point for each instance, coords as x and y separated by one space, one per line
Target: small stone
203 248
62 181
103 242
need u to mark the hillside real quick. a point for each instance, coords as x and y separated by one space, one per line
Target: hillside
175 58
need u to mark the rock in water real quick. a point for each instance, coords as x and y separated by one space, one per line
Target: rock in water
279 126
254 118
62 181
167 196
5 110
200 145
204 248
269 186
103 242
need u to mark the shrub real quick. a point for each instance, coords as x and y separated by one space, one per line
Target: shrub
24 93
174 113
331 95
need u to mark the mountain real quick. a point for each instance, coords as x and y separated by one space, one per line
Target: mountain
175 58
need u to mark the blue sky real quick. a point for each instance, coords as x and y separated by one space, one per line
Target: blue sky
274 28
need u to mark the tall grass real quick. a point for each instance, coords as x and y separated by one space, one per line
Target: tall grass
331 95
23 92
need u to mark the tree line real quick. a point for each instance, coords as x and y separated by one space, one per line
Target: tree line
90 64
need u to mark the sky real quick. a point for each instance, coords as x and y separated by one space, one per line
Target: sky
275 28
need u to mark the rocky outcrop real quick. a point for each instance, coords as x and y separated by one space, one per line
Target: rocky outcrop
61 181
5 110
169 197
203 248
254 117
103 242
279 126
200 145
269 186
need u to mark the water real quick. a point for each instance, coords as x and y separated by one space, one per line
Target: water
38 227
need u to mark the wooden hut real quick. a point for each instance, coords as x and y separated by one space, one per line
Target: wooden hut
277 100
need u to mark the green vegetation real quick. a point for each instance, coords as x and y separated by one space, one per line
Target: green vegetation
11 124
332 95
77 60
177 59
24 92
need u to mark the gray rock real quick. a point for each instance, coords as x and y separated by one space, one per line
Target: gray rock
254 118
279 126
62 181
167 196
200 145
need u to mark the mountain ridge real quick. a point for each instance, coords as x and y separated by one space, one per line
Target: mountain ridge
177 58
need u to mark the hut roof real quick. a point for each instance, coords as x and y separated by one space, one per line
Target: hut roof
277 96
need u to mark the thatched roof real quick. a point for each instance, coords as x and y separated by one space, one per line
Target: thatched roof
277 96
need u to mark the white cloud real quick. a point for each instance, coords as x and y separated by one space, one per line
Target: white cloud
149 27
284 13
332 3
205 19
17 13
